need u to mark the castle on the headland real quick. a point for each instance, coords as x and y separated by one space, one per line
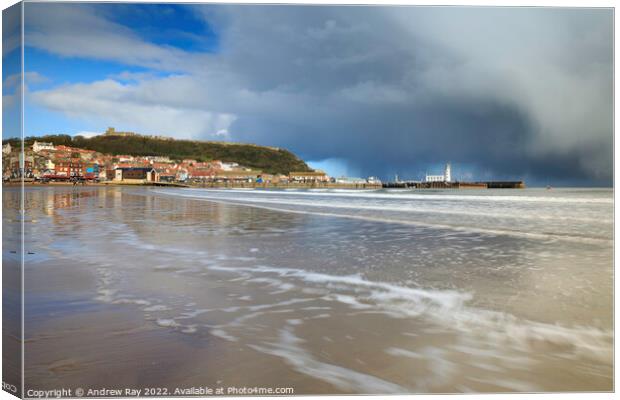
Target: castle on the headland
113 132
446 177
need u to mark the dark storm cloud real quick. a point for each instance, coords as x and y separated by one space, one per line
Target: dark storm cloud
519 93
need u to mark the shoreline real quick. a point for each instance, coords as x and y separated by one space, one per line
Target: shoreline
214 185
264 186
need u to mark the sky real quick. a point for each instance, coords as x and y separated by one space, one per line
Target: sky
500 93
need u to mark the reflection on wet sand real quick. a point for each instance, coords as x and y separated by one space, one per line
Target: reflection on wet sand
133 287
11 290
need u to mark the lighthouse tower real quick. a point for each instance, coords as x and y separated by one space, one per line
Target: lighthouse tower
446 174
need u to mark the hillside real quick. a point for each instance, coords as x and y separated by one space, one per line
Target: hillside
267 159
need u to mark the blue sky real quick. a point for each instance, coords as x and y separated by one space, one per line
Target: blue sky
166 24
163 25
353 90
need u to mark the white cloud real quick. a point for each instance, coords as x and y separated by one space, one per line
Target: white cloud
132 106
126 76
76 30
88 134
13 81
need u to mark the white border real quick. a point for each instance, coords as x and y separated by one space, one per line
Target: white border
483 3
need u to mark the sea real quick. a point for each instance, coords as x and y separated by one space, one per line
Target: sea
324 291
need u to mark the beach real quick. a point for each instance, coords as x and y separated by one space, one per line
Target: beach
323 291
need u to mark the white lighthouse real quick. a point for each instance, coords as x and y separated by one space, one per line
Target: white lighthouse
446 177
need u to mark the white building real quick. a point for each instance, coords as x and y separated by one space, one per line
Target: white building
229 166
38 146
6 149
350 180
433 178
182 175
50 166
158 159
446 177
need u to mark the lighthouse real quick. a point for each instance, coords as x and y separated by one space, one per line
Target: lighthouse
446 177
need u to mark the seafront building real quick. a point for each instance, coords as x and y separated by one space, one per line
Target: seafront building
308 177
136 174
446 177
351 180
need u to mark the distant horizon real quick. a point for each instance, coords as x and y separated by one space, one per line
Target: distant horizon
337 174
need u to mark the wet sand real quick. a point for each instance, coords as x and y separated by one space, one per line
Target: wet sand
11 294
137 288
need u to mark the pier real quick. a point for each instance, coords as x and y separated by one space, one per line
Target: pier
444 181
455 185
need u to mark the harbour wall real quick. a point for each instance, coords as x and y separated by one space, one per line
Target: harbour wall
457 185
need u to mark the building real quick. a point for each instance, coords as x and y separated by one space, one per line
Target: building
113 132
26 164
199 174
182 175
350 180
446 177
167 177
308 177
159 159
239 176
38 146
6 149
145 174
109 174
91 170
222 176
125 158
228 166
50 166
87 154
68 167
434 178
